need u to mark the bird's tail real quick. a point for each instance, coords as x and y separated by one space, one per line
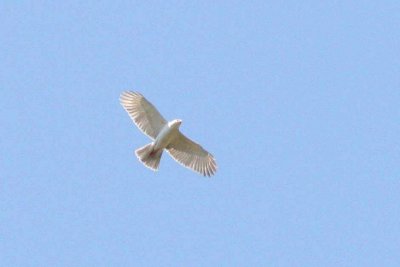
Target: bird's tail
149 157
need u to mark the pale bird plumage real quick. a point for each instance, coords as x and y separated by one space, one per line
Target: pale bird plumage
165 135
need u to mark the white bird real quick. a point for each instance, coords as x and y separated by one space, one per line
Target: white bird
165 135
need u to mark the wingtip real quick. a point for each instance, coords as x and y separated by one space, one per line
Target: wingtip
128 94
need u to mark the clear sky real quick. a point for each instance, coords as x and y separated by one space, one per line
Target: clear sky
299 101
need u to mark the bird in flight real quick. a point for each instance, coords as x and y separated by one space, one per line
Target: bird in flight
165 135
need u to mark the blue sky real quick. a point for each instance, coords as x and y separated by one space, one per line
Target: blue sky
297 100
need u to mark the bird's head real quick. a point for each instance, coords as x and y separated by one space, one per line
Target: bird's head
175 123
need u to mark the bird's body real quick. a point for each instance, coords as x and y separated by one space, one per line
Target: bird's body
165 135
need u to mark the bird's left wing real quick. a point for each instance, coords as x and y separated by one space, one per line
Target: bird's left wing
192 155
143 113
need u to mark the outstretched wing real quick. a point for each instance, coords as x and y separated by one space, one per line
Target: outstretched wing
192 155
143 113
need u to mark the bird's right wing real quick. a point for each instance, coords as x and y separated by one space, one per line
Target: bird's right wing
192 155
143 113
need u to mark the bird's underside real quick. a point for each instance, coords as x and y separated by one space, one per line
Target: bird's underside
165 135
